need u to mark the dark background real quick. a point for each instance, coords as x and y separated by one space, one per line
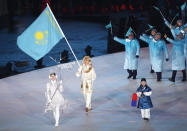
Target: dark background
17 15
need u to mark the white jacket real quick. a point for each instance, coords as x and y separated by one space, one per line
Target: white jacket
91 75
58 99
87 78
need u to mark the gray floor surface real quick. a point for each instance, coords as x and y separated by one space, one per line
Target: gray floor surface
22 99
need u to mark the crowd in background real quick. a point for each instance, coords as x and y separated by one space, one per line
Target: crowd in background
62 7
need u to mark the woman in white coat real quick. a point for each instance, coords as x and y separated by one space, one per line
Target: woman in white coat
87 72
55 100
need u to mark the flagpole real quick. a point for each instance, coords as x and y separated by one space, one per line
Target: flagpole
159 11
147 30
162 14
64 35
174 18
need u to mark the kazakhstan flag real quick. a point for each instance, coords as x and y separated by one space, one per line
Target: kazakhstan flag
41 36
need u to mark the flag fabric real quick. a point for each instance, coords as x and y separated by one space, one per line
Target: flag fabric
156 8
174 18
183 6
41 36
129 31
150 26
108 26
134 100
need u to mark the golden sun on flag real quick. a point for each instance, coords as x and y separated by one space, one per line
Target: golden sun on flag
41 38
39 35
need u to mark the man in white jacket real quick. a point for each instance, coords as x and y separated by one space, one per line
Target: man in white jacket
55 101
87 72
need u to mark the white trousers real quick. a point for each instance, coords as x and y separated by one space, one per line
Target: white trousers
87 97
145 113
56 114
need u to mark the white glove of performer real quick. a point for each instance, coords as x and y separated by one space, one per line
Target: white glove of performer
49 100
182 31
78 74
127 40
147 93
138 94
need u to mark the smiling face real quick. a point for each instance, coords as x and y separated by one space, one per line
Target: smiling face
143 83
157 37
153 33
53 77
179 23
131 36
87 60
185 29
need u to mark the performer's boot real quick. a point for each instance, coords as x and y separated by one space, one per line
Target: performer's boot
86 109
152 71
130 73
147 119
173 76
134 74
184 75
56 124
159 76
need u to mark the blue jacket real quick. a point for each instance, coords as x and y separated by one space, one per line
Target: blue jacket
176 30
185 45
132 50
145 101
185 39
157 49
178 59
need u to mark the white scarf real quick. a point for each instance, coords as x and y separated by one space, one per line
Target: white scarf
128 40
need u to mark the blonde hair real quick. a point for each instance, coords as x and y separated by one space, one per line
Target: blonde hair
90 63
87 58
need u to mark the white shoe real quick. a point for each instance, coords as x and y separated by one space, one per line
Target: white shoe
56 125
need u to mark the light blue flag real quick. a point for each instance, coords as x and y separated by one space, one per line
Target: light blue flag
108 26
183 6
150 26
41 36
129 31
156 8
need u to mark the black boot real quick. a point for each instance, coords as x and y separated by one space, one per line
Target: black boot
159 76
184 75
152 71
147 119
134 74
173 76
130 73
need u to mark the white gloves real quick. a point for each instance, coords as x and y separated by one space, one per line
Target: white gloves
127 40
49 100
147 93
78 74
139 94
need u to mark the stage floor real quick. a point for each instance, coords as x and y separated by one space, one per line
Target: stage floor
22 99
